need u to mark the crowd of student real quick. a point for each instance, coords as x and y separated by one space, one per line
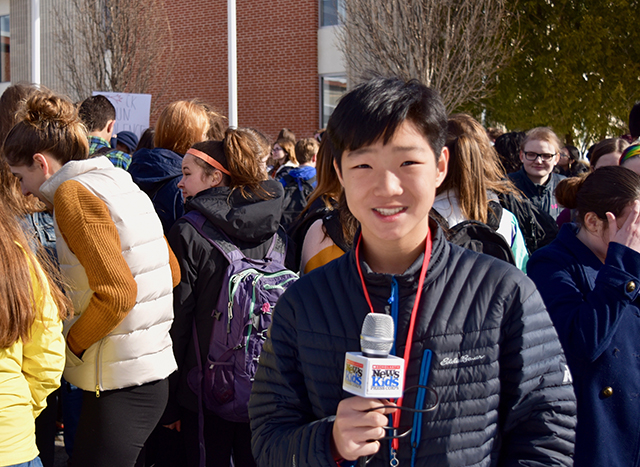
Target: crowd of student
97 233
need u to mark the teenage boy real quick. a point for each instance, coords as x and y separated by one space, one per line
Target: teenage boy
503 388
539 154
299 182
99 116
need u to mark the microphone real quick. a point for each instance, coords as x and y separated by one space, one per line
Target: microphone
373 372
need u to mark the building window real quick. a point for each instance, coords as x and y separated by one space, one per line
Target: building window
5 63
333 87
330 12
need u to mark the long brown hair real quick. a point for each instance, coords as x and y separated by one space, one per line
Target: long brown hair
474 167
19 303
48 123
330 190
289 148
328 185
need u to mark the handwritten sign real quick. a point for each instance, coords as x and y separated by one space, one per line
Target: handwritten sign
133 111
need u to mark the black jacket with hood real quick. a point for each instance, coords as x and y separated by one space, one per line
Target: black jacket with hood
250 223
498 367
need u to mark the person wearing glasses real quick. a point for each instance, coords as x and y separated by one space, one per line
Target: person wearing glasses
539 153
569 163
283 158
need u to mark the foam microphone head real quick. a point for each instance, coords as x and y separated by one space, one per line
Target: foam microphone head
376 338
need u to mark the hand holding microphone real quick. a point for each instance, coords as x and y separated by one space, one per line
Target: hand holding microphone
373 375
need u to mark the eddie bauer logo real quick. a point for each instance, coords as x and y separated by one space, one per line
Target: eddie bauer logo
463 359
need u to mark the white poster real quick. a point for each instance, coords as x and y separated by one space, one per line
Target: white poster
132 111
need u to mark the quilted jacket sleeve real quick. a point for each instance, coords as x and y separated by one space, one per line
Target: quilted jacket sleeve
285 432
538 408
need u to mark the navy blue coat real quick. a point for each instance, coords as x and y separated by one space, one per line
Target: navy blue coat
497 365
157 172
594 307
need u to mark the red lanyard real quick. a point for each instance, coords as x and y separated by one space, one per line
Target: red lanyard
407 349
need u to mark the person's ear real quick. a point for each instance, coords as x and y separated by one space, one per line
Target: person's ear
442 166
337 169
593 223
47 164
41 162
521 155
110 125
215 179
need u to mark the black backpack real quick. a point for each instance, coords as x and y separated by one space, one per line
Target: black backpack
296 192
479 237
538 228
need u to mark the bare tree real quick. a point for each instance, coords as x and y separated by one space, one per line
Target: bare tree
113 45
454 46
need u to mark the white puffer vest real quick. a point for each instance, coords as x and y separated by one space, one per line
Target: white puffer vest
139 349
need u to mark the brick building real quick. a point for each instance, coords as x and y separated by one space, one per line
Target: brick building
290 71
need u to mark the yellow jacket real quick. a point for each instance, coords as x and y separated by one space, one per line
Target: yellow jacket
29 372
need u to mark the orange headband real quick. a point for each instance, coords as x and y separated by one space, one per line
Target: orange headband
209 160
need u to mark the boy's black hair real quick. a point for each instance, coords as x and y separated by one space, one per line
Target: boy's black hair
95 112
634 121
375 109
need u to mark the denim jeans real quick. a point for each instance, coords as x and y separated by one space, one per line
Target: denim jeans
34 463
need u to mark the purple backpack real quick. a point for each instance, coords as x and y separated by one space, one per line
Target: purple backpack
242 316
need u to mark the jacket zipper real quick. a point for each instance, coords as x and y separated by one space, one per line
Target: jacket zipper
98 368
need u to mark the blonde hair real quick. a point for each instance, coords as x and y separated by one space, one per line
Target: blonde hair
542 133
182 124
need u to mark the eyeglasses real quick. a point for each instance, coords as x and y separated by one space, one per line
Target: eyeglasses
532 156
276 149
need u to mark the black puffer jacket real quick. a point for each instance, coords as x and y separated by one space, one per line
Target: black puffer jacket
498 367
250 223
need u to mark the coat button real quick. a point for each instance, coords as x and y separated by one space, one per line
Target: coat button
631 286
607 392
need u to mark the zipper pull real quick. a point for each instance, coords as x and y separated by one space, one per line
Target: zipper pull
393 461
97 391
229 316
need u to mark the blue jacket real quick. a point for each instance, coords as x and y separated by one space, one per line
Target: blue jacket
157 173
594 307
542 196
497 365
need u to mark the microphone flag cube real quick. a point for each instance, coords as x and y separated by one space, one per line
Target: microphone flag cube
373 377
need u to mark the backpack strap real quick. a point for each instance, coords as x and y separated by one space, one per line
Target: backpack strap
217 238
494 216
333 228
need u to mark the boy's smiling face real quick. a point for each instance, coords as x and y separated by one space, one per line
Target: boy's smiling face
390 187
